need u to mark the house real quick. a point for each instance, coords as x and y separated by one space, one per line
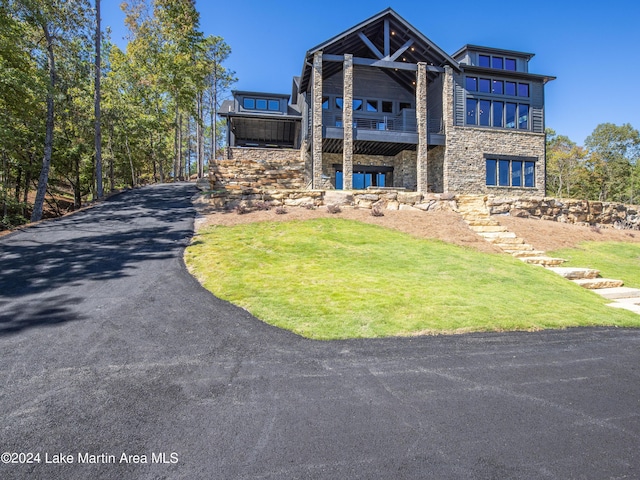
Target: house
382 106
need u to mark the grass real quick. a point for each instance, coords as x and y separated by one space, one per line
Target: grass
335 278
614 260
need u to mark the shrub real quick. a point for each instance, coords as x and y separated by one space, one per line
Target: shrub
334 209
377 211
280 210
308 206
242 209
262 206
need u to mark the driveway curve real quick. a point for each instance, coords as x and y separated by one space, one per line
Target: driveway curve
117 364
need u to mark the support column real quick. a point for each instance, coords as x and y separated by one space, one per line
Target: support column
347 123
316 127
447 119
421 119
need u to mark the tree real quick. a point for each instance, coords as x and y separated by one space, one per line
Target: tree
564 165
98 131
615 150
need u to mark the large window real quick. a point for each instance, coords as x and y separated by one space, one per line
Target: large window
497 62
265 104
505 172
493 111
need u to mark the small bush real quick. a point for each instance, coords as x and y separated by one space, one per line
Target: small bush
595 229
280 210
377 212
242 209
308 206
333 209
262 206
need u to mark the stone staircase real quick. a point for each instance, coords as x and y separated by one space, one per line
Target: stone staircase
475 213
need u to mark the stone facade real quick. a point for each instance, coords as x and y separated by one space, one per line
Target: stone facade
404 167
464 159
258 168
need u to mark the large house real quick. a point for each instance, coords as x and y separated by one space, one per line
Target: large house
382 106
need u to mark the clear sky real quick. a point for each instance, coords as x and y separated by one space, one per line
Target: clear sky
592 47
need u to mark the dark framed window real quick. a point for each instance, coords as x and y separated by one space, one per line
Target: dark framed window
357 104
510 172
484 85
471 84
510 64
387 107
274 105
497 63
261 104
498 113
372 105
523 116
510 88
510 116
325 103
249 103
484 114
484 61
472 107
498 87
523 89
339 103
404 105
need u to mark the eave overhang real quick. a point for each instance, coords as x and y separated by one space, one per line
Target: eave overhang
507 73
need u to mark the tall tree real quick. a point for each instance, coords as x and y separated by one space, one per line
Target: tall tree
98 130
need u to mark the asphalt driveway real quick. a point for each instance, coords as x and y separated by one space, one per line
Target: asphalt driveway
116 364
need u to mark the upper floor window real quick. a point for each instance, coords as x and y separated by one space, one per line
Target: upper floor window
251 103
497 87
497 62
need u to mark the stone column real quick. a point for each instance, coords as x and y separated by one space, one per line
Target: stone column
421 119
347 123
316 127
448 115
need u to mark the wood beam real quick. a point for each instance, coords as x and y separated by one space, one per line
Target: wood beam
401 50
381 63
371 46
387 40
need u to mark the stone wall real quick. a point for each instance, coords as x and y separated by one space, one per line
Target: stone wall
436 169
258 168
252 198
465 169
580 212
404 167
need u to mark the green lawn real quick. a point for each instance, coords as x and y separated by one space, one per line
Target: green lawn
335 278
619 261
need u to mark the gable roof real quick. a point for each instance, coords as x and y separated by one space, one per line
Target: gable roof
377 29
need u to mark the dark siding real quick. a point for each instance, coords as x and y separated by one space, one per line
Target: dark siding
458 98
434 105
369 83
537 107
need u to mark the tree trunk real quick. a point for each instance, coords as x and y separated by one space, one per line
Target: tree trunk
180 159
98 135
189 148
133 174
48 139
200 139
176 147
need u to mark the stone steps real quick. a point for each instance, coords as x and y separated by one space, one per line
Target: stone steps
543 260
528 251
572 273
598 283
618 293
487 228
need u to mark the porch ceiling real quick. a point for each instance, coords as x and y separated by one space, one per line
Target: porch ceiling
335 145
276 131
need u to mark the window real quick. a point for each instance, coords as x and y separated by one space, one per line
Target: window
274 105
404 105
339 103
372 105
387 107
523 117
357 104
325 103
523 89
261 104
510 120
472 105
472 84
485 113
510 88
498 112
484 61
504 172
484 85
249 103
497 62
498 87
510 64
271 105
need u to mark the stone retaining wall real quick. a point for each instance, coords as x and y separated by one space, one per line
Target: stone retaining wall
580 212
367 199
258 168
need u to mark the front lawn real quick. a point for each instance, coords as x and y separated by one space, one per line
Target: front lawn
334 278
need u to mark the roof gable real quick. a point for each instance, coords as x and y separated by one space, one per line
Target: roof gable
385 36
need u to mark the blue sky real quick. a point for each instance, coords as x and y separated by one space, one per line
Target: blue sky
591 47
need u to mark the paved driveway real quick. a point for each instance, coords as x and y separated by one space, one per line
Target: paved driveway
112 353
